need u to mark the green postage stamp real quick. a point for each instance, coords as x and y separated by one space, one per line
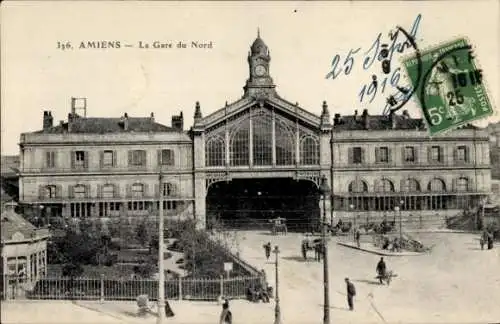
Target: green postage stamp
449 86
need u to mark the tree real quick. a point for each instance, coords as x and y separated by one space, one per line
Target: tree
142 233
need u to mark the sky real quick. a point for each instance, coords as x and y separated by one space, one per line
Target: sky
304 38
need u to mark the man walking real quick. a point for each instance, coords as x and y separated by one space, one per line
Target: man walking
381 270
351 292
267 249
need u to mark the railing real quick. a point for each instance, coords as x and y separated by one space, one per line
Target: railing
410 165
153 169
114 289
97 198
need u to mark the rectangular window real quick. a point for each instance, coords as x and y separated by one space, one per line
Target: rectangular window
50 159
137 158
51 192
436 154
108 191
170 205
168 189
357 155
409 154
137 190
79 191
107 158
80 159
461 154
382 155
167 157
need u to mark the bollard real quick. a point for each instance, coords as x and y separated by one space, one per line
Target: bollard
102 287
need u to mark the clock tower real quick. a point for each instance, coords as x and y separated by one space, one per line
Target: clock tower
259 83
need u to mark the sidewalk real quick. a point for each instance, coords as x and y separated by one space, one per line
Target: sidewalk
370 248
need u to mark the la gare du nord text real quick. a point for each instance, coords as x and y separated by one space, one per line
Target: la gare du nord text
142 44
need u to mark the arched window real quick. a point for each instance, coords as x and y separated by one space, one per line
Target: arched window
285 144
262 140
410 185
436 185
462 184
239 145
358 186
309 151
384 185
215 152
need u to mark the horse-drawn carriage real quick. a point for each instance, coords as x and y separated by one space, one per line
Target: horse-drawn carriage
278 226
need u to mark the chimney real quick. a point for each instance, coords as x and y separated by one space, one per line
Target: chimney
365 119
392 119
356 115
152 117
178 122
197 113
336 120
48 121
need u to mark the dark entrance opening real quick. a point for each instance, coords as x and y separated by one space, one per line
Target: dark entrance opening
251 203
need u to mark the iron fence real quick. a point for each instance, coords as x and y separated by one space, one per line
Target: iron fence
116 289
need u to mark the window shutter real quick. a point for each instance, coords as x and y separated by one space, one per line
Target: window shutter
455 154
441 155
454 185
157 190
114 159
54 159
71 191
41 192
86 159
130 157
362 155
403 154
87 191
58 191
129 190
402 185
47 159
116 190
143 158
429 154
389 155
467 157
145 187
171 158
376 186
158 154
415 154
470 184
350 154
73 156
99 191
101 159
377 154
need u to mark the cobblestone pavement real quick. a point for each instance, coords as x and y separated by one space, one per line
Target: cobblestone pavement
456 283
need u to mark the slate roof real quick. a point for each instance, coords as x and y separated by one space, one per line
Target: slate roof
382 122
94 125
13 223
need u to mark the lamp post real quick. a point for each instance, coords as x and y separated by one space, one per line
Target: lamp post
325 192
277 310
161 270
398 209
351 206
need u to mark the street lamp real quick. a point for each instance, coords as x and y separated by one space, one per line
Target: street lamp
398 208
277 311
325 192
351 206
161 266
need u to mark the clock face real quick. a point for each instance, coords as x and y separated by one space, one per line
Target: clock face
260 70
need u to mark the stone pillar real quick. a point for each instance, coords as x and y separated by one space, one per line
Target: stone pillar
200 200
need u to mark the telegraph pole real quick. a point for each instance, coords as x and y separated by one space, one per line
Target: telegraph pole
161 265
325 190
277 311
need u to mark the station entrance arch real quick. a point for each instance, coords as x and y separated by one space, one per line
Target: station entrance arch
253 203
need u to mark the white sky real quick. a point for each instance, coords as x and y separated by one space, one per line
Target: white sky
303 38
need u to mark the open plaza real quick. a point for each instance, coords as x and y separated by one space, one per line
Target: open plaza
456 282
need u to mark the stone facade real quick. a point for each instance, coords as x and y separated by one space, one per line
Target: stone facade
372 163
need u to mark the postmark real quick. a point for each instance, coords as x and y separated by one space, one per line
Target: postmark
451 92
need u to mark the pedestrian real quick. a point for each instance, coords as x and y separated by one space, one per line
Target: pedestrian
357 236
267 249
226 317
316 252
490 241
304 249
481 242
351 292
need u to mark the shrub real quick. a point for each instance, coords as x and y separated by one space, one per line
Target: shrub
72 270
